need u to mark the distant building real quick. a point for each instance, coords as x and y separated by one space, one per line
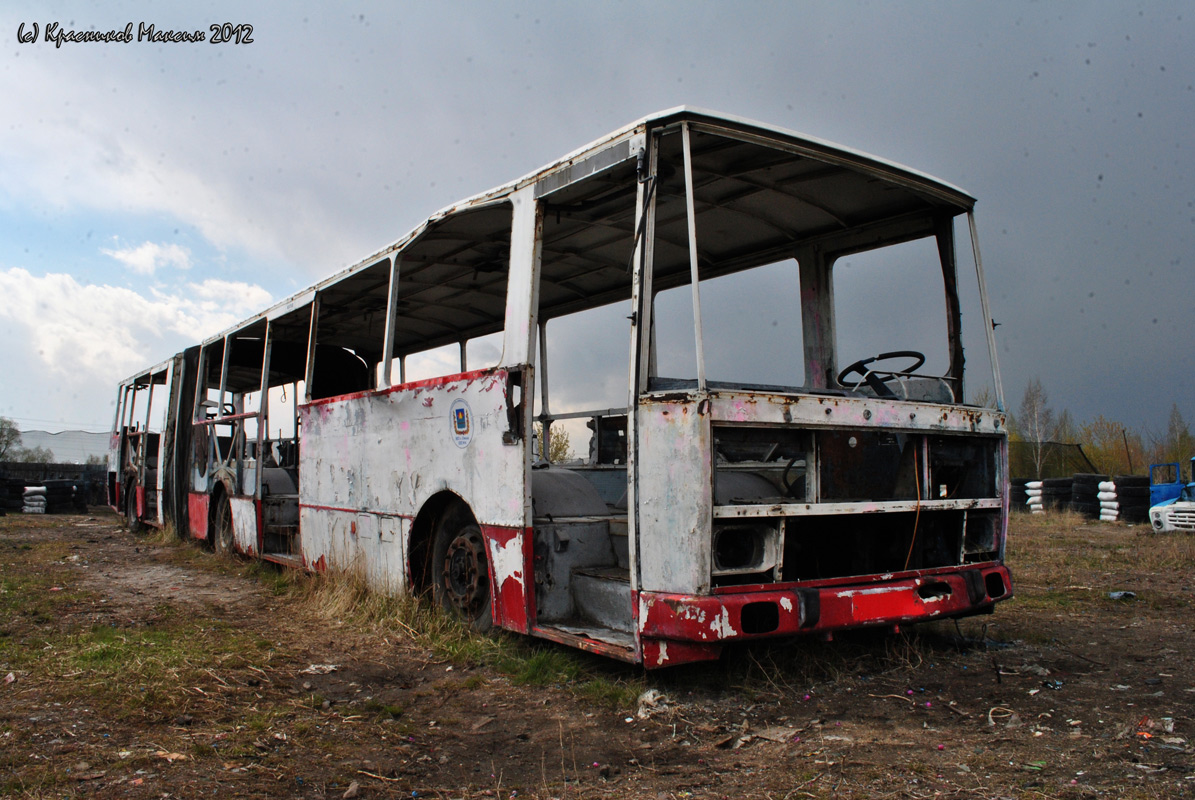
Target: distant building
68 447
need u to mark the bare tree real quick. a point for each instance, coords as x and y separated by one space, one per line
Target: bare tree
10 439
1180 445
984 398
1035 421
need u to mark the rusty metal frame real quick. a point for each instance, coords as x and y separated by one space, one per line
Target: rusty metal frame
385 380
694 271
989 324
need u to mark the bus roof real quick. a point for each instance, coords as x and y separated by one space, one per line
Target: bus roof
762 190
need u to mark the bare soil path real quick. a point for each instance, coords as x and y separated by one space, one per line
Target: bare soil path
148 669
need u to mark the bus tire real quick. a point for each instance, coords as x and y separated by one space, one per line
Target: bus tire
130 513
222 532
460 569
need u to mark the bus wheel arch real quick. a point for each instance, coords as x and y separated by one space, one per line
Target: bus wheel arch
449 558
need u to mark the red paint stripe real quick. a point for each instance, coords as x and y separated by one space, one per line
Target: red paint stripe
498 373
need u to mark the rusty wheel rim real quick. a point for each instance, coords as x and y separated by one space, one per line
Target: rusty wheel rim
465 580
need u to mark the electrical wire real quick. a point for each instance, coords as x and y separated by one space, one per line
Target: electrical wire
917 516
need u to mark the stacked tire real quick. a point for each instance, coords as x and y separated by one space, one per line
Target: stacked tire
1018 497
1056 493
1085 489
1109 503
12 495
54 497
68 495
1132 495
1033 499
34 500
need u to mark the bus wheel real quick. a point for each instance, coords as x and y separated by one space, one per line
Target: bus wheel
130 513
222 539
462 578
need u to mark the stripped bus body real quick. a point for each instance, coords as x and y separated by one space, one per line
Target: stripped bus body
738 482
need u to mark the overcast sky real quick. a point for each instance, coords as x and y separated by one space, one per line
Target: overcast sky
153 194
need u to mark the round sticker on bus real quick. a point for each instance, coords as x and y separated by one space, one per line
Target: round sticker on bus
462 422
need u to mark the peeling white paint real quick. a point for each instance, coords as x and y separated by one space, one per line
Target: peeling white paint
786 604
879 590
244 524
721 625
507 560
673 496
663 656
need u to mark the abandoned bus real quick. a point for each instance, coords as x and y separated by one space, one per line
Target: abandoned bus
685 314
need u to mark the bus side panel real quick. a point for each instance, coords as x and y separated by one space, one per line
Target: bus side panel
244 524
387 453
115 439
197 503
675 512
508 552
177 442
372 545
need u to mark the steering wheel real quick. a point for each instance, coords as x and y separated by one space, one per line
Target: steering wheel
877 379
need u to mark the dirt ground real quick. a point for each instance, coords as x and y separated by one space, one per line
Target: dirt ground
1063 692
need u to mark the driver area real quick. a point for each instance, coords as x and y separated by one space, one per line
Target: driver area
893 376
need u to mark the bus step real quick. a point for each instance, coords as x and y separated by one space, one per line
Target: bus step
617 644
603 595
285 559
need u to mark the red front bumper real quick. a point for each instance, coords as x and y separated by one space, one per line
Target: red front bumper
675 628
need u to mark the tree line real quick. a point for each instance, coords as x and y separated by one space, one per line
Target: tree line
1044 443
11 450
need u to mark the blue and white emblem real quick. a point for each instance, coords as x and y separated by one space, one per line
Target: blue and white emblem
462 422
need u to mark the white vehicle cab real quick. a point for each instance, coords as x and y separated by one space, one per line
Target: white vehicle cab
1175 515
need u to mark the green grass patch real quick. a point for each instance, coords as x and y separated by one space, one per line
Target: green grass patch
382 710
143 671
544 666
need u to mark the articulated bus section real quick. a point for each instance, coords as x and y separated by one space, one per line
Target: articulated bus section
604 404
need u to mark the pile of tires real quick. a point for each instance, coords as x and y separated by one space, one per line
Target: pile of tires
34 501
54 497
1056 493
1018 496
1132 495
1033 499
12 494
1109 503
1085 490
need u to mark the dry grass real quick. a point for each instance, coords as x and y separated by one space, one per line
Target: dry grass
1068 565
345 596
1066 547
257 724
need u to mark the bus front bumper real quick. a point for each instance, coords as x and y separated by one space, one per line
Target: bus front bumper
677 628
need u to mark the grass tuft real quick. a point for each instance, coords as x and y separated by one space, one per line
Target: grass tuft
345 596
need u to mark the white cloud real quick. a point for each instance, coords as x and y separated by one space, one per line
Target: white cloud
97 331
91 154
148 257
227 301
